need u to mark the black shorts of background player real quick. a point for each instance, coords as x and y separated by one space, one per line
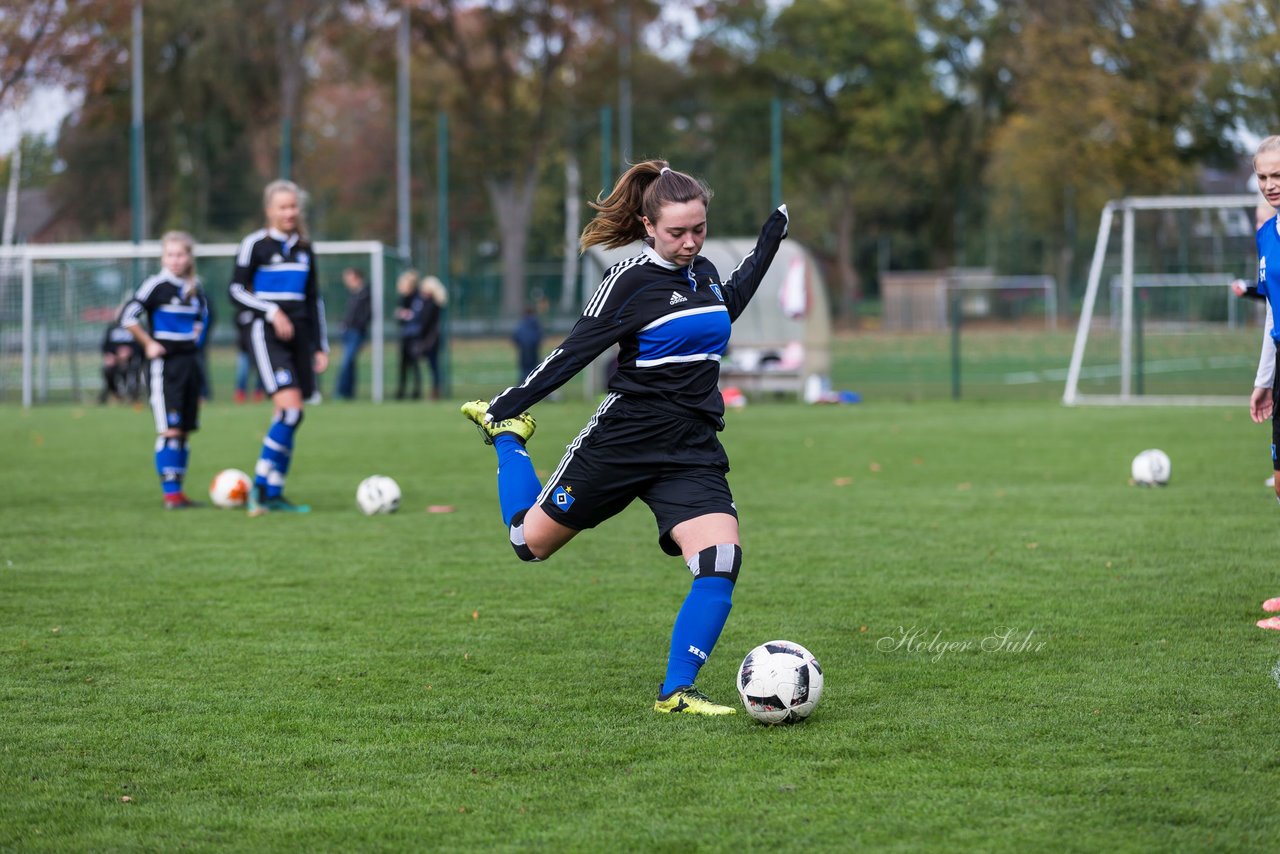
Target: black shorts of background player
654 436
275 282
177 312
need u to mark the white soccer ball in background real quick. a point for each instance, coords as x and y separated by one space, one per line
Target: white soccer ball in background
780 682
378 494
1152 467
230 488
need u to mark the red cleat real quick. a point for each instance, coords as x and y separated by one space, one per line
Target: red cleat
239 396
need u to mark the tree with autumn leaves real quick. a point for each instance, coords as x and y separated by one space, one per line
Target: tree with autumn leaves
940 128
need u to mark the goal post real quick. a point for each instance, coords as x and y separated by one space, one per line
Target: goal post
55 299
1226 227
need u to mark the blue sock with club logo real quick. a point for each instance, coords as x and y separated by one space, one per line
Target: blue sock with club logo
518 484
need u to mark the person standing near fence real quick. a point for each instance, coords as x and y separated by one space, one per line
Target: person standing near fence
430 311
408 314
654 436
355 330
275 282
177 312
528 339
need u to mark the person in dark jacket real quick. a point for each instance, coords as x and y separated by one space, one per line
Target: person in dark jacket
355 330
408 313
432 298
527 338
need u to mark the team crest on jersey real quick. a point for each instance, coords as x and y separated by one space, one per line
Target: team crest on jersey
715 289
276 258
283 377
301 257
677 298
563 497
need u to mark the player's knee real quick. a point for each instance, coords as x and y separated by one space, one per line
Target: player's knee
719 561
518 543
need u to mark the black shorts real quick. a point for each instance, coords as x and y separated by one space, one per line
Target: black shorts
175 381
630 450
281 364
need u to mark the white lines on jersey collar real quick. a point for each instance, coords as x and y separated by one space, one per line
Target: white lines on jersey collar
659 260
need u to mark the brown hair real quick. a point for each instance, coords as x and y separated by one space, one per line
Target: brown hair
640 192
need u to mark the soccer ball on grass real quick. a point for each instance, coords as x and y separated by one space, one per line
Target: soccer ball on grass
1152 467
378 494
230 488
780 682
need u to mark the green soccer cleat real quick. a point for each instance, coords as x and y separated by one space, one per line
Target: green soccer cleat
280 504
690 701
521 426
260 505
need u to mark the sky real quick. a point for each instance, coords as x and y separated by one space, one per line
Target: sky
41 114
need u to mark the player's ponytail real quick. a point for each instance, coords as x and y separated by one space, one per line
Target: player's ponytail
640 192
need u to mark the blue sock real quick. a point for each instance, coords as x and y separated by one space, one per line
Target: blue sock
168 465
518 485
277 450
697 629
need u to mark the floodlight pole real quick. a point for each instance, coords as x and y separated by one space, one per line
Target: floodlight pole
624 82
606 150
402 133
137 182
442 240
775 150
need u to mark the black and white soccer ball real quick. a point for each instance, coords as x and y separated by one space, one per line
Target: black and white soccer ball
780 682
378 494
1152 467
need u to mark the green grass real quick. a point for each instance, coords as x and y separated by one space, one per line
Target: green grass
336 682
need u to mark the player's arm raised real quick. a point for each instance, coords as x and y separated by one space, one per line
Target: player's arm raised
745 279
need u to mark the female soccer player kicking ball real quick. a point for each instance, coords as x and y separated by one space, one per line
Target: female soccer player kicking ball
654 436
177 313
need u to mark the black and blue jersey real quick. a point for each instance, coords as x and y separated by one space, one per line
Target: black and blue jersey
672 325
278 271
177 311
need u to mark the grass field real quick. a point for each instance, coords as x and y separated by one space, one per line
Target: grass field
335 682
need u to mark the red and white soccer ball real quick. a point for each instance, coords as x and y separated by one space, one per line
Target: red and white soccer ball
378 494
780 682
230 488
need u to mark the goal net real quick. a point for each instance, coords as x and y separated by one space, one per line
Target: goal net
1159 323
58 300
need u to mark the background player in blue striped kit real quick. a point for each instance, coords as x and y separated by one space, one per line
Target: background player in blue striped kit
274 289
177 313
654 436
